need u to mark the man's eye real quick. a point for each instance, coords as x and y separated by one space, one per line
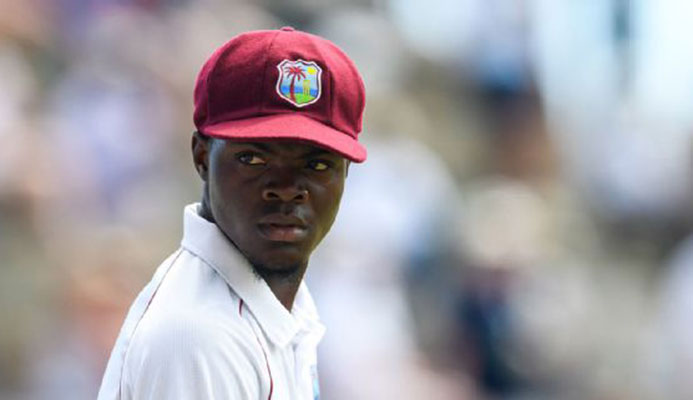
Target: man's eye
319 165
251 159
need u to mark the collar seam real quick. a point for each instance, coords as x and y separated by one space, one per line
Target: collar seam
276 338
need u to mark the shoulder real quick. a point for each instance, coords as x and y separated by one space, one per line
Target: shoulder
197 351
188 326
192 308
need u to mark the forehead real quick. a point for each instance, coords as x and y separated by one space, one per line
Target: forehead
284 147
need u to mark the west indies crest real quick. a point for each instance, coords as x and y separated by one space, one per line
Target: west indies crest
299 82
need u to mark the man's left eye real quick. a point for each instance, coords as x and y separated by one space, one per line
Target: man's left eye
319 165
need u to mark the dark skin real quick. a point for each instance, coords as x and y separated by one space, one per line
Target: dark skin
274 200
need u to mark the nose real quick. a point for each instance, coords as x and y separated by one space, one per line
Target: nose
287 194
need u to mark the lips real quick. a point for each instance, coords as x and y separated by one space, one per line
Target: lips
283 228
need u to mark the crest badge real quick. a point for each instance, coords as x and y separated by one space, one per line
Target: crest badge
299 82
316 385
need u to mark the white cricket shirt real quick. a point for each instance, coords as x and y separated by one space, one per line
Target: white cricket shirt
205 327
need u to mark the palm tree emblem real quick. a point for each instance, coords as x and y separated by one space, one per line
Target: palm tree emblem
299 82
293 72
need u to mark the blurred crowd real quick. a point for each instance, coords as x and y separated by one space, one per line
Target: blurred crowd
520 229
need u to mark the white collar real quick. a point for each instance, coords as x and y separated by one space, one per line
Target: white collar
208 242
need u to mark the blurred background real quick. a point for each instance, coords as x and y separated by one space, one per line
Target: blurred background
519 231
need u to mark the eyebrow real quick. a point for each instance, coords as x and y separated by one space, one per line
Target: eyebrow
310 153
260 146
316 152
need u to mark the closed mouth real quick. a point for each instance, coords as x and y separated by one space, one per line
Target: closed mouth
283 232
283 221
279 227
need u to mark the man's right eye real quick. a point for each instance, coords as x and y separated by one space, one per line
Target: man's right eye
251 158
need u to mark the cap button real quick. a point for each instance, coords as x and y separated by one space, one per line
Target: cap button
287 29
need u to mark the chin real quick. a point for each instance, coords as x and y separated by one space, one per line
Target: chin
282 271
281 259
284 260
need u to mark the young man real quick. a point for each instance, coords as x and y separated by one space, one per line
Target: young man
227 316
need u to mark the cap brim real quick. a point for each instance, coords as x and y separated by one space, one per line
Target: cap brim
290 126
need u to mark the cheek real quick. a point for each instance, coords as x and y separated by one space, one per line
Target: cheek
227 197
327 205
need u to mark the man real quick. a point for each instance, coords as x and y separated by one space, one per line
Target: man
227 316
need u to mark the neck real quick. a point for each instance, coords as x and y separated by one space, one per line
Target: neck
284 284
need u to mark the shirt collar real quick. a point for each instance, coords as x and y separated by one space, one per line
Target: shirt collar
206 240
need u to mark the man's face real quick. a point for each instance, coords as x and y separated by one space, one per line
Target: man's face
274 200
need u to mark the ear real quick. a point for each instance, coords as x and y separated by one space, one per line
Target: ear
200 153
348 164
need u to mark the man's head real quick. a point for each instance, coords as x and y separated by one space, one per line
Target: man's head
274 200
278 115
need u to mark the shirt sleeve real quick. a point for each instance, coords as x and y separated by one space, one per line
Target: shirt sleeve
185 358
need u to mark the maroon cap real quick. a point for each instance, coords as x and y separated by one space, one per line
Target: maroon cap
282 84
